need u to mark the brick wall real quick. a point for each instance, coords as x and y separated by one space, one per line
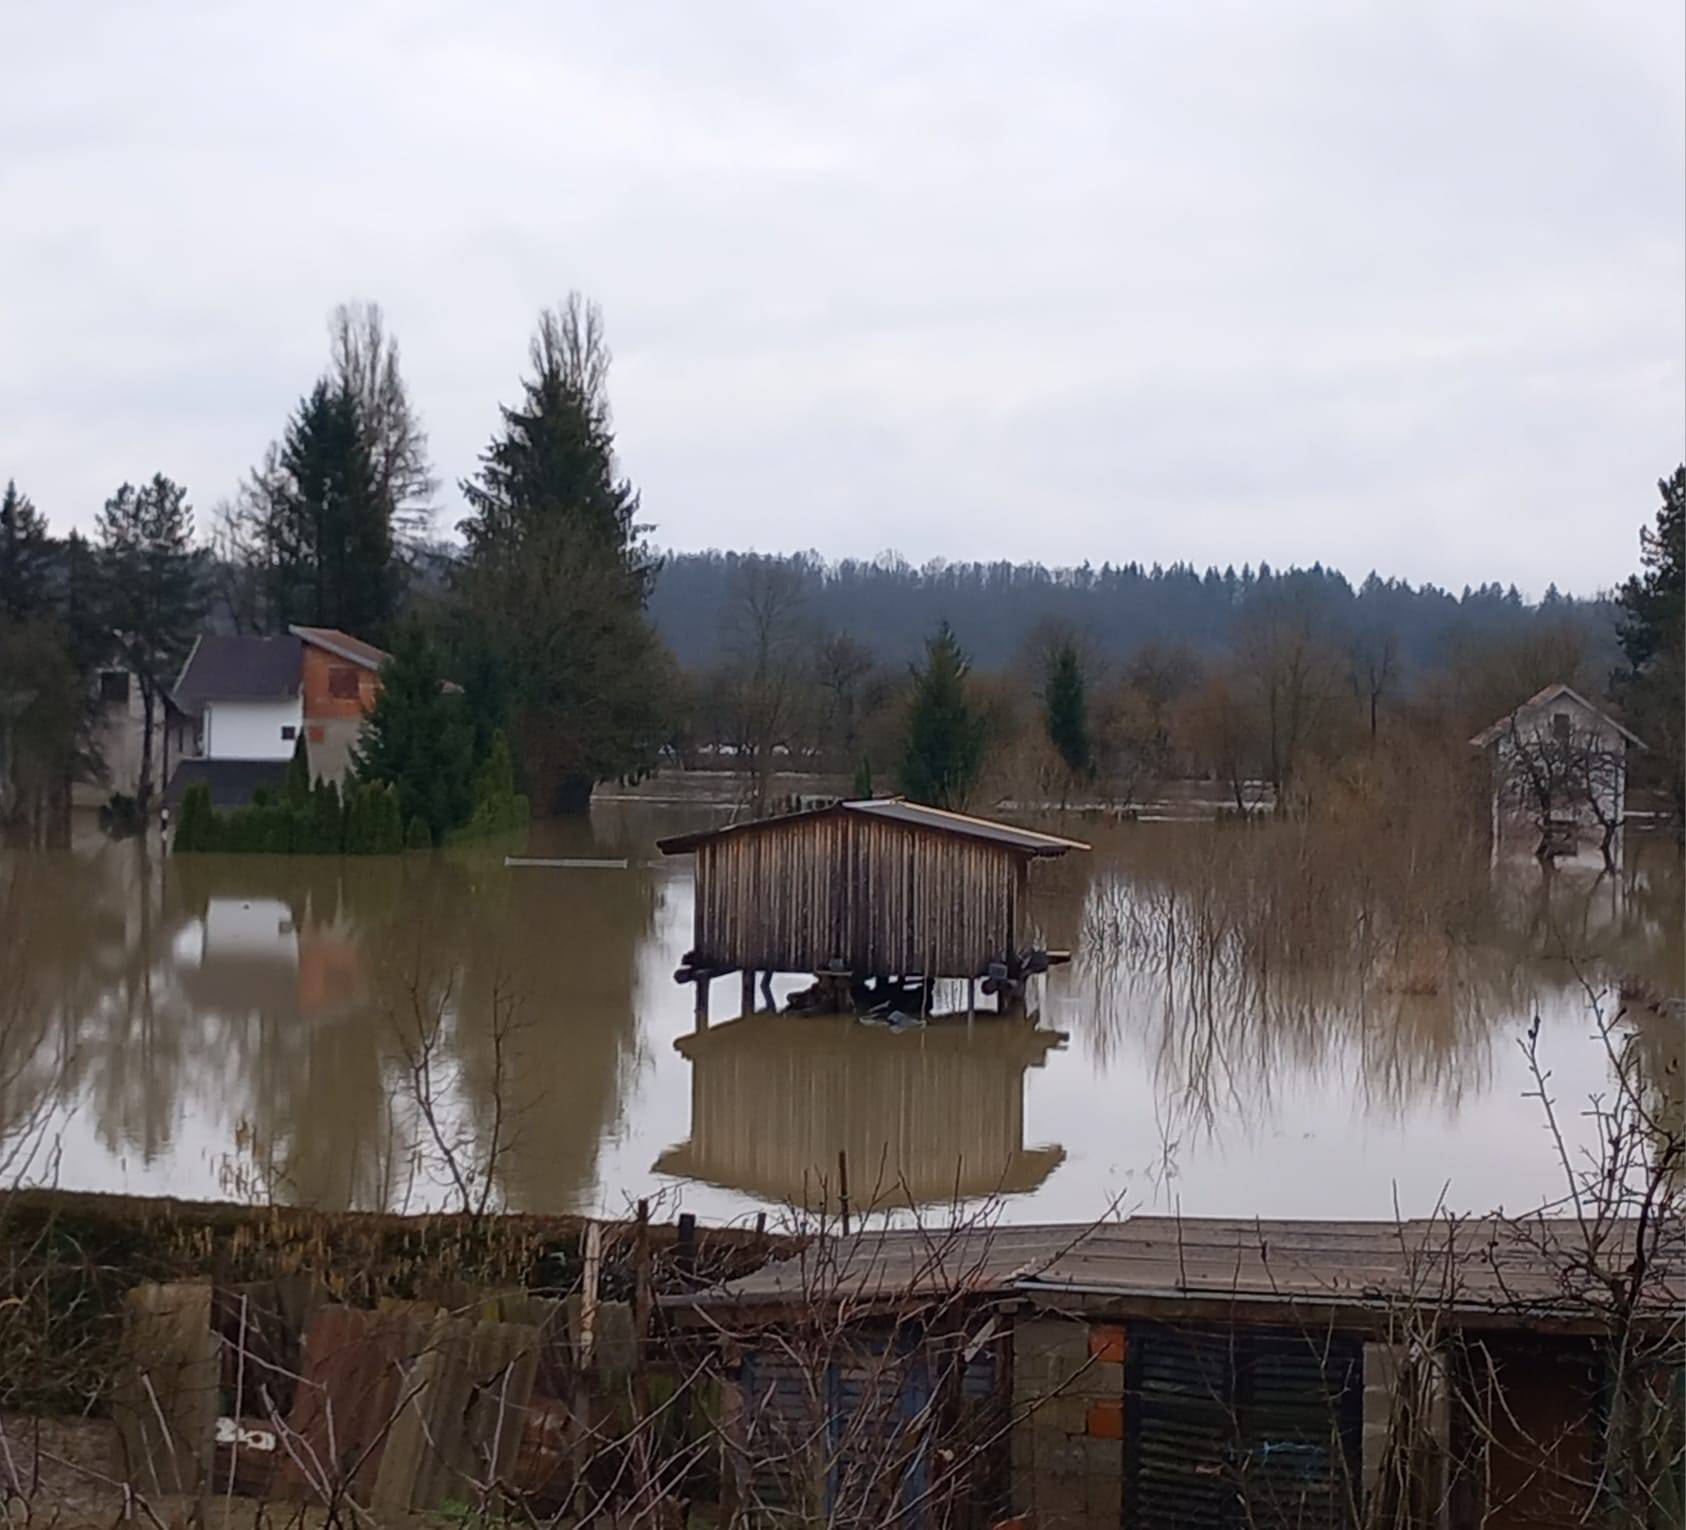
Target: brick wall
1068 1447
320 668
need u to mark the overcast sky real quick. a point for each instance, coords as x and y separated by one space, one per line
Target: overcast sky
1387 285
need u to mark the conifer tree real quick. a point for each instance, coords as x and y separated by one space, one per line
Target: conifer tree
1066 712
153 595
26 555
327 532
418 739
558 573
1653 618
943 752
327 837
296 792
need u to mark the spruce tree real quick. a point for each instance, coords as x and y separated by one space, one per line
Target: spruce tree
327 532
1066 712
418 739
26 556
558 574
153 595
943 751
1653 602
327 837
296 792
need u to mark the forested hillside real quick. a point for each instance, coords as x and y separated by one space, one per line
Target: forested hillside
890 606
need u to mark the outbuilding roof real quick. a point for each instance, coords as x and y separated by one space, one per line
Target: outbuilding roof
894 810
342 645
231 782
1525 1265
224 667
1544 698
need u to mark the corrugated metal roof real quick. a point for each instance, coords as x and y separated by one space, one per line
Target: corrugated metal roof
896 810
343 645
1476 1263
230 668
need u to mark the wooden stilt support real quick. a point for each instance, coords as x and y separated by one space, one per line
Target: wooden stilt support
702 1002
748 991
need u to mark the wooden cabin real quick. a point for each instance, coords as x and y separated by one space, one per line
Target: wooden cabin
871 889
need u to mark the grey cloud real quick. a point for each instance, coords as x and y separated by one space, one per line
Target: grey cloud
1392 286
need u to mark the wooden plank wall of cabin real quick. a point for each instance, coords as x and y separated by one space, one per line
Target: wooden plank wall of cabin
927 902
881 897
764 897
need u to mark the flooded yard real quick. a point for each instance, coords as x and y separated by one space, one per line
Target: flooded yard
1237 1034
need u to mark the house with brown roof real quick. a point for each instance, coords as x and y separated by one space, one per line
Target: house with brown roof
246 701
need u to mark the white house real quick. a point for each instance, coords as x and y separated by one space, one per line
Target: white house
1559 771
245 698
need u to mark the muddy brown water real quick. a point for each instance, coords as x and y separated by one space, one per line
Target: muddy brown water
375 1034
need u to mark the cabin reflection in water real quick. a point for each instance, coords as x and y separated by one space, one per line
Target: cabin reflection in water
925 1117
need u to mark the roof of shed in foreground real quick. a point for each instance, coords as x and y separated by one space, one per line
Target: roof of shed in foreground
1528 1265
894 810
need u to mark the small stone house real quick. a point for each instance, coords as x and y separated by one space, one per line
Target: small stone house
1162 1372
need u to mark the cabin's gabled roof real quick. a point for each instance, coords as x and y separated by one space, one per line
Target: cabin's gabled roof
915 815
1544 698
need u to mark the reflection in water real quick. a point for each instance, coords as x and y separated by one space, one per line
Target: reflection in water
267 1007
925 1117
1241 975
1305 1032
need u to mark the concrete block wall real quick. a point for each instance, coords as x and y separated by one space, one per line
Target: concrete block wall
1068 1434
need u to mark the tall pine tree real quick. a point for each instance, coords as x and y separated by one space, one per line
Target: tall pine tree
153 587
943 751
1066 713
558 574
26 557
1653 616
419 740
327 531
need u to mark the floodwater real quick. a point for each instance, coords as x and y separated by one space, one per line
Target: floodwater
448 1030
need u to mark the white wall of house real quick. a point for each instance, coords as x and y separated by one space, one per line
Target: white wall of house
1581 750
252 730
119 733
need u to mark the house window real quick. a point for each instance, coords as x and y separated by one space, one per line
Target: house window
1560 727
342 683
114 687
288 731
